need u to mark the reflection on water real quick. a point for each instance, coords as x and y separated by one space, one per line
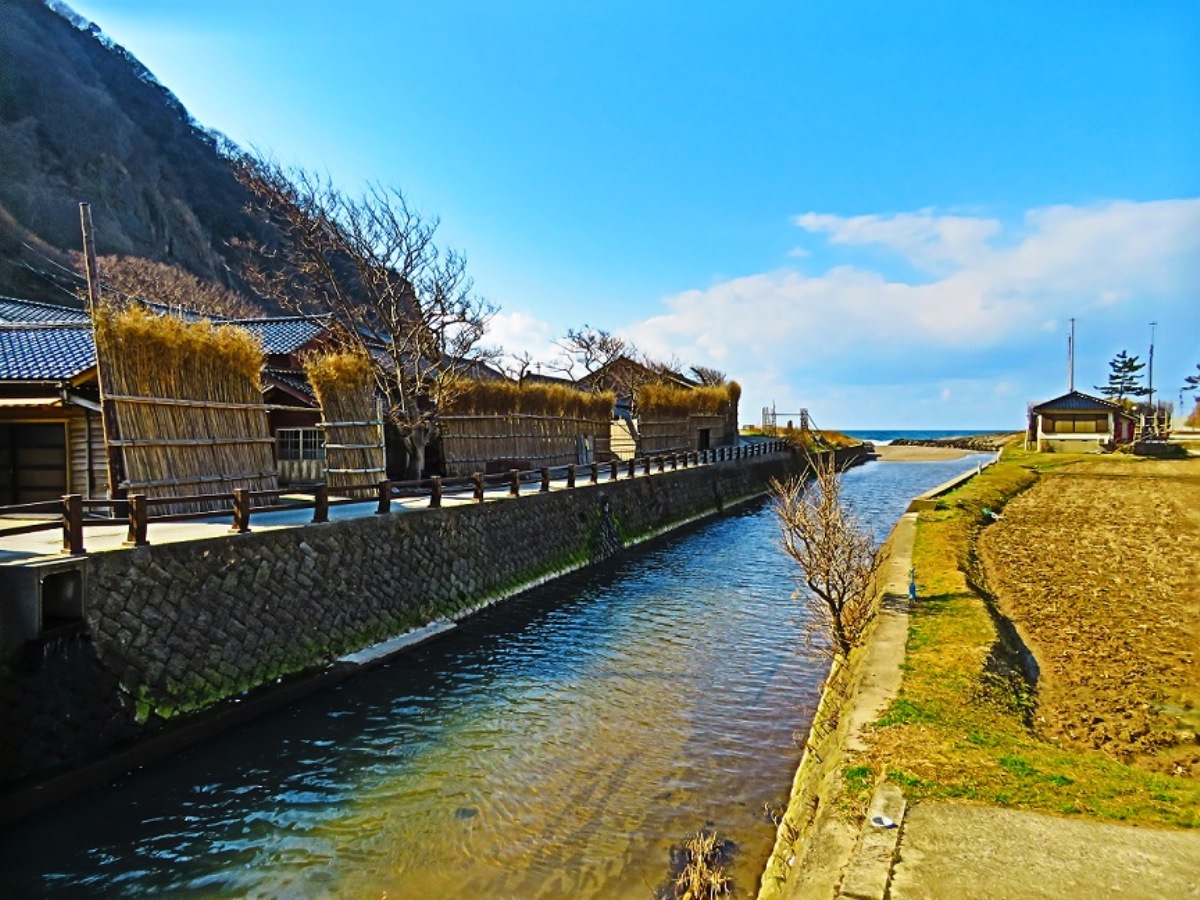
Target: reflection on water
553 747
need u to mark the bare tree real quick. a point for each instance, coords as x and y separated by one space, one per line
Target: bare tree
373 263
709 377
590 349
172 286
839 559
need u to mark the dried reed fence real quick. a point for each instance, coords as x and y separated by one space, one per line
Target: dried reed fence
672 417
500 423
183 405
344 383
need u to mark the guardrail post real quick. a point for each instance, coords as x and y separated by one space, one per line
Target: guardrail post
435 491
595 473
612 469
645 465
632 468
662 463
320 504
674 461
570 475
478 479
385 498
138 512
545 488
241 511
73 524
514 482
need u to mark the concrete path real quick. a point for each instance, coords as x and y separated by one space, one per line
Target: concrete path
949 850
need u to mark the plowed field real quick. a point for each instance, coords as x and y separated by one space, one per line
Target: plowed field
1098 565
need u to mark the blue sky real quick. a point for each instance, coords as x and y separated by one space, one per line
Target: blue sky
884 212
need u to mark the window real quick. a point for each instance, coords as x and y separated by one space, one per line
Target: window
299 443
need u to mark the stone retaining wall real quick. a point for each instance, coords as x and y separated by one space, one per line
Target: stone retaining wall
173 630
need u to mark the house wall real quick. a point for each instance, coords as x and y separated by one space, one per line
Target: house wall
85 451
175 630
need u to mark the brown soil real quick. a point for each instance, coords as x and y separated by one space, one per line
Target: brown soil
1098 565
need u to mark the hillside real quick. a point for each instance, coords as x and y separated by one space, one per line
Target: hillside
82 119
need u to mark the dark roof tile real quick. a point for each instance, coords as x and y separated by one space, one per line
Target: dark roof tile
45 352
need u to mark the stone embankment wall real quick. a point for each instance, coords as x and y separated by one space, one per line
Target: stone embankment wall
176 630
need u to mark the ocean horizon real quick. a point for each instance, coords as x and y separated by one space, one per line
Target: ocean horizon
887 435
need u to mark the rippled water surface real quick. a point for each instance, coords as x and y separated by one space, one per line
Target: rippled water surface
553 747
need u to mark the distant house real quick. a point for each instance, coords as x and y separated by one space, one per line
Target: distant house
51 429
1078 422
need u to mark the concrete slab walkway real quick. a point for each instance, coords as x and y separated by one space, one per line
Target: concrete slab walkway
951 850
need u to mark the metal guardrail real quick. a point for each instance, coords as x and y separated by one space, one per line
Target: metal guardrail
135 510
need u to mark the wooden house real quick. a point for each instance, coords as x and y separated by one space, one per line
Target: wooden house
1078 422
51 430
638 432
51 434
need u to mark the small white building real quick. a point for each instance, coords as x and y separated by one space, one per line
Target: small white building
1078 423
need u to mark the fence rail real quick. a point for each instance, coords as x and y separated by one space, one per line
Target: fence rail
135 511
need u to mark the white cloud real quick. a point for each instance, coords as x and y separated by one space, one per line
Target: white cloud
995 292
519 332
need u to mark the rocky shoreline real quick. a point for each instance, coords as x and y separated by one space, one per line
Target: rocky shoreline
984 442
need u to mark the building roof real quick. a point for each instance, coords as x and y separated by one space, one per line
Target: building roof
1074 401
41 352
15 311
284 334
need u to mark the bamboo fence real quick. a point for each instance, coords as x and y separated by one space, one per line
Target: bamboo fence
184 400
480 443
344 384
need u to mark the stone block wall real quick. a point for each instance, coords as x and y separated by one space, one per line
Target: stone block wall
173 630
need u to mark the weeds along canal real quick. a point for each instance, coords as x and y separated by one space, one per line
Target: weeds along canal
556 745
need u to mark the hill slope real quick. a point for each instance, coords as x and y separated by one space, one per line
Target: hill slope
82 119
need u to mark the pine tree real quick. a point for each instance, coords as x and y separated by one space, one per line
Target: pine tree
1124 378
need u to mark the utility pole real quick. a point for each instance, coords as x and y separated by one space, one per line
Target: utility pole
108 412
1071 359
1150 371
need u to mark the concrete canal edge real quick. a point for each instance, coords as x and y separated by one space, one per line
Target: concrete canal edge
817 852
182 641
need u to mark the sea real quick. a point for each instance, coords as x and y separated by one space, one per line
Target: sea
884 436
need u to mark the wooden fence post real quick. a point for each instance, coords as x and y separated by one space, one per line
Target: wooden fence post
595 473
612 469
514 482
138 520
645 465
661 464
73 524
545 488
241 511
435 491
674 461
478 479
320 504
385 498
632 467
570 475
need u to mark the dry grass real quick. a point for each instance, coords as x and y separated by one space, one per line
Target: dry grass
658 400
959 726
344 383
216 441
698 868
507 398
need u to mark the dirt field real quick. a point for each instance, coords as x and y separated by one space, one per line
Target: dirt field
1098 564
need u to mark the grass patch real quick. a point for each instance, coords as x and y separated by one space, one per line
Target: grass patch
953 732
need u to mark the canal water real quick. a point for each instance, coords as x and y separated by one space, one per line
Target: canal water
554 746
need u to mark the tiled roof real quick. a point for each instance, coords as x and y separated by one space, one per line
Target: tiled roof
294 380
16 311
1077 402
283 334
45 352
